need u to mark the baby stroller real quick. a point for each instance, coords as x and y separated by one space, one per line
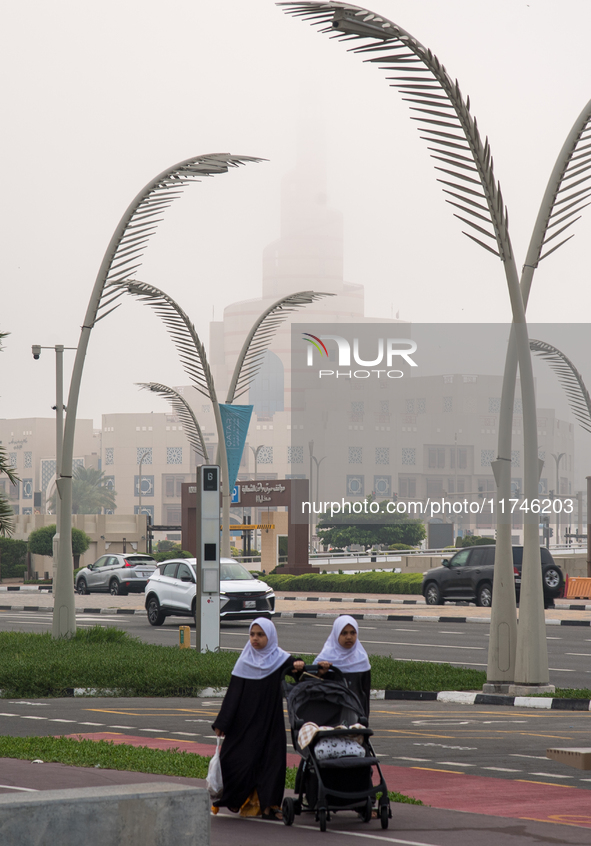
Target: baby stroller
330 784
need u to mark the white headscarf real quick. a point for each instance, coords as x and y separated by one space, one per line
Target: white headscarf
353 660
260 663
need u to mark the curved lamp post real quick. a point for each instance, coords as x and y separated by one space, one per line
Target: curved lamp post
121 260
467 177
194 360
139 487
179 404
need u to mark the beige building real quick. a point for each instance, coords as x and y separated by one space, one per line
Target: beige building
30 445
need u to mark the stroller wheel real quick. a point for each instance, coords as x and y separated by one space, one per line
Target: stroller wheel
322 819
288 811
297 807
367 811
384 814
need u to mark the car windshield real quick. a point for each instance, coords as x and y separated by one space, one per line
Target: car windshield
229 572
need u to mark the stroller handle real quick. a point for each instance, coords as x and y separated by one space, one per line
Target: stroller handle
333 673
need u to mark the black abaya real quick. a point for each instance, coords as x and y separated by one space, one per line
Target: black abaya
254 747
360 683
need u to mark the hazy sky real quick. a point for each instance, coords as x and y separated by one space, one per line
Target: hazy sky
99 98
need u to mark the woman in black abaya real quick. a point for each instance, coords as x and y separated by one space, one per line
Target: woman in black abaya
251 721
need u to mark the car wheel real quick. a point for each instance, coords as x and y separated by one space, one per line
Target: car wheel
433 594
82 587
552 578
484 595
155 615
115 588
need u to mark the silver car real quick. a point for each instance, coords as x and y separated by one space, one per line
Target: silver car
116 574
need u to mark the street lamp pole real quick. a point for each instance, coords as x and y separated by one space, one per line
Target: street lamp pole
59 427
139 509
557 492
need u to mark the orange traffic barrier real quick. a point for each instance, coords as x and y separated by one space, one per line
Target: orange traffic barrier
578 588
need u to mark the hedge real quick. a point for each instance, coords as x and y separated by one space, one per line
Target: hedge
13 558
370 582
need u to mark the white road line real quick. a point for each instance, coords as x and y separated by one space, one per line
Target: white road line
156 730
503 769
583 654
340 832
518 755
33 718
9 715
57 720
186 733
454 764
24 789
403 758
551 775
427 645
122 727
91 724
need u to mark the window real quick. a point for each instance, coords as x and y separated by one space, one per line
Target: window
355 485
174 455
409 455
355 455
462 454
173 486
436 457
407 486
382 455
170 569
184 573
143 454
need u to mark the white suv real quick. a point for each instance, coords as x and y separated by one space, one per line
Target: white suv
116 574
171 592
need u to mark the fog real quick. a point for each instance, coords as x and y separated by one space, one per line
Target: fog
100 98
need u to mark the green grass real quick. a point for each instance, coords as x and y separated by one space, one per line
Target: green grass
36 665
137 759
568 693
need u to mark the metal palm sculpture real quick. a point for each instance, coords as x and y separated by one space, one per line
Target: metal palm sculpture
121 260
570 379
466 163
181 407
260 336
194 360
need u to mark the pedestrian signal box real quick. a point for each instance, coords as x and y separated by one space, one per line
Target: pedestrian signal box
207 604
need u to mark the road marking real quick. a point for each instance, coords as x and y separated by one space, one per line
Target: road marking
186 733
551 783
504 770
91 724
25 789
551 775
428 645
382 839
156 730
433 770
581 654
518 755
120 727
57 720
35 718
454 764
9 715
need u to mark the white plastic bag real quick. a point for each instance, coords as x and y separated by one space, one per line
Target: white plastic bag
214 781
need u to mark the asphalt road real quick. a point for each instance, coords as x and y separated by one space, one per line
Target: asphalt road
463 644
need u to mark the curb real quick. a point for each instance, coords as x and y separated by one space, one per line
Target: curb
459 697
78 610
400 602
304 615
412 618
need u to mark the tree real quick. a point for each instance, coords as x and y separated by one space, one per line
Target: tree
6 512
381 528
41 541
90 493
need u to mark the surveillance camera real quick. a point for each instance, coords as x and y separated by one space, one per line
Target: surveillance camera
36 349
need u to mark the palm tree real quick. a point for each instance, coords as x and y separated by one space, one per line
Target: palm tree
90 493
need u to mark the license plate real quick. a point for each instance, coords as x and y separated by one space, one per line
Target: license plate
249 603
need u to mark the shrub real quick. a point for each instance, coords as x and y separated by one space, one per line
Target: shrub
370 582
41 541
13 554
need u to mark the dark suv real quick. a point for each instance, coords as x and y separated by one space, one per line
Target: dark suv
468 576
